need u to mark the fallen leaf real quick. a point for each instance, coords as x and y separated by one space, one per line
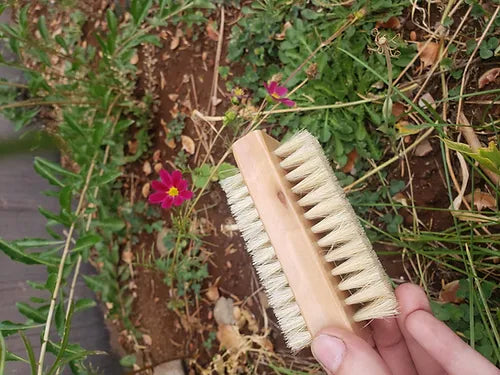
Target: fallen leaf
449 292
212 293
146 189
428 53
392 23
223 311
132 146
351 160
413 36
400 198
404 128
282 34
163 81
164 34
251 321
135 59
488 77
423 148
170 143
211 32
146 168
229 337
127 256
188 144
160 244
482 200
426 98
158 167
173 97
174 43
147 340
398 109
156 156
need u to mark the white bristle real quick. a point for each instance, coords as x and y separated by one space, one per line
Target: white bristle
266 263
339 234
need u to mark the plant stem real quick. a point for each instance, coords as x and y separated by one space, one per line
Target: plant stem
62 262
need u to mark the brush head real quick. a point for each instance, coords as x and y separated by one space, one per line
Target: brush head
339 238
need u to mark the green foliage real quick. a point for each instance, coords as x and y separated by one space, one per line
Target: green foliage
176 127
488 157
202 174
98 113
266 47
469 327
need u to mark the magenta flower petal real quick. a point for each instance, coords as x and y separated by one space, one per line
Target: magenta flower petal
178 200
287 102
167 202
160 186
271 87
157 197
165 177
186 194
176 178
281 90
182 185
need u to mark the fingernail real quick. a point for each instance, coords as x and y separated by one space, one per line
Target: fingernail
329 351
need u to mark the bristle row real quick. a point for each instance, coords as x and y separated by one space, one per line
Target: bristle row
337 227
266 263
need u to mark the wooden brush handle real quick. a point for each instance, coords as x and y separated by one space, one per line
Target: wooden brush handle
315 289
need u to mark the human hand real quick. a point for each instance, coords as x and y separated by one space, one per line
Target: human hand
413 343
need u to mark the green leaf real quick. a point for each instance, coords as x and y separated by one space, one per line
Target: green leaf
18 254
108 177
203 4
201 175
65 195
31 313
86 241
128 360
37 242
139 10
112 21
50 284
488 157
111 224
84 304
8 328
64 343
42 27
485 53
31 354
59 318
226 170
3 350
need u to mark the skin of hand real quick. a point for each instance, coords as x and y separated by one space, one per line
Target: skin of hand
413 343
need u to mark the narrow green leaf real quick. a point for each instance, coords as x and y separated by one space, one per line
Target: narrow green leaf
60 40
8 326
84 304
30 312
37 242
72 124
3 350
112 21
45 173
59 318
52 216
111 224
42 27
14 357
65 195
56 168
64 343
86 241
31 354
17 254
108 177
50 284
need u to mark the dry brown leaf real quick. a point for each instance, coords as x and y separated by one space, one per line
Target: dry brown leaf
229 337
252 322
428 53
146 189
156 156
174 43
398 109
211 32
127 256
188 144
482 200
132 146
170 143
146 168
147 340
134 59
351 160
400 198
488 77
423 148
158 167
392 23
426 98
163 81
173 97
282 34
413 36
449 292
212 293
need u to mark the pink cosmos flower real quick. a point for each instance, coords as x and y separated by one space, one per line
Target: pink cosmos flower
171 190
278 93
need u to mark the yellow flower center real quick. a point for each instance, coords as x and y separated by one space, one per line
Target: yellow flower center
238 92
275 96
173 192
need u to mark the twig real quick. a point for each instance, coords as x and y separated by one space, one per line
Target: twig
215 81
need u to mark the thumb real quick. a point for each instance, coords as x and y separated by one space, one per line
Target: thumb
343 353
